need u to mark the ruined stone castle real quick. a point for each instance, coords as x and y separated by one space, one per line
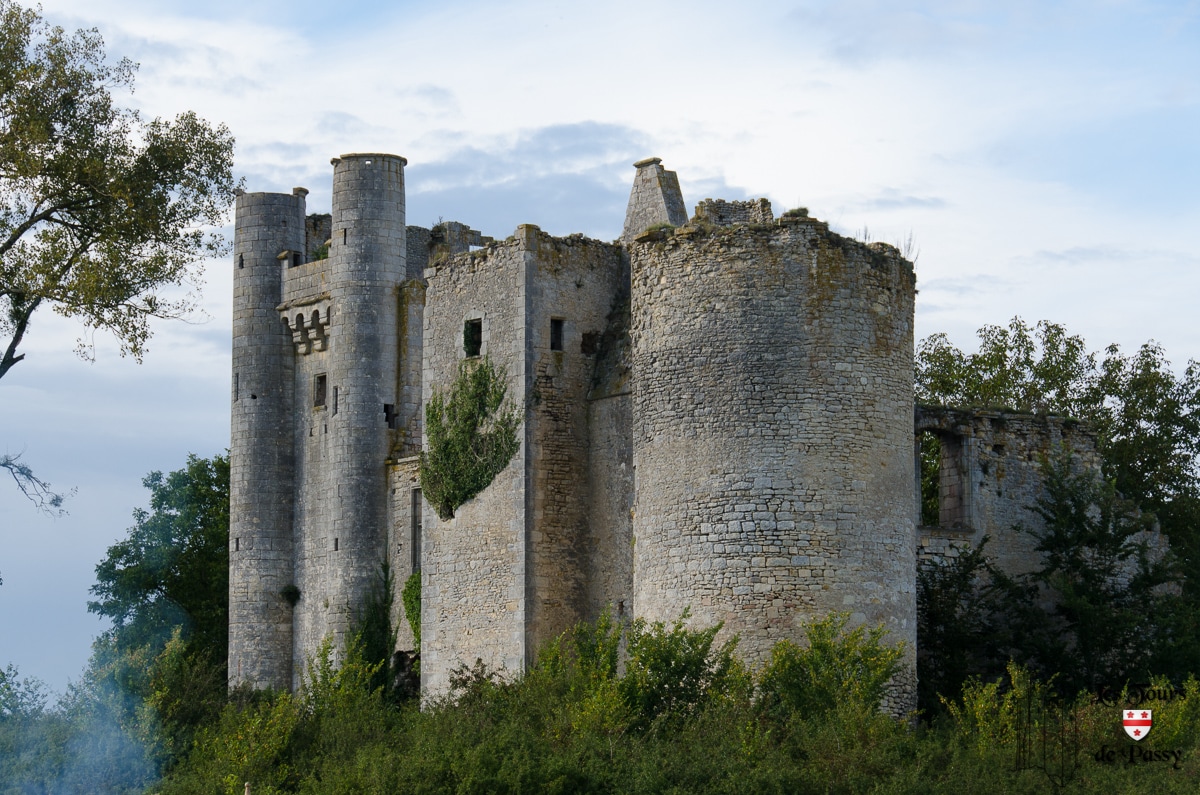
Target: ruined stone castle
717 417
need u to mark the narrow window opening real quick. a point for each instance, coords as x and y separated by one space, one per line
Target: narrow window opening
343 237
335 545
237 545
241 261
416 530
235 386
556 334
335 400
296 263
319 382
472 337
389 414
943 484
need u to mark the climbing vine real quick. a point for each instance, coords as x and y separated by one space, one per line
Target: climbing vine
471 436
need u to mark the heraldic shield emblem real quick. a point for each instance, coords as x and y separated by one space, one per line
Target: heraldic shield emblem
1137 722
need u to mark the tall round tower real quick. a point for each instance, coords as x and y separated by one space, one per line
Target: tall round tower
260 455
772 440
367 265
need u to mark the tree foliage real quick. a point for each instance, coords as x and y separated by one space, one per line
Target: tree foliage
1092 611
100 211
173 569
166 590
471 436
1146 417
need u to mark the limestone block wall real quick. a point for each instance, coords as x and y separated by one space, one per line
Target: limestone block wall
655 199
474 565
991 470
609 573
261 450
408 512
572 285
346 388
720 212
772 437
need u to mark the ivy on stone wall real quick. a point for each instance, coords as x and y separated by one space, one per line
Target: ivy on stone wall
411 596
471 436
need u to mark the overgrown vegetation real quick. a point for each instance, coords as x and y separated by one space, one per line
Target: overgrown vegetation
471 433
1096 607
411 598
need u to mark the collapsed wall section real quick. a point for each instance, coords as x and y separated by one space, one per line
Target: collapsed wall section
990 476
772 435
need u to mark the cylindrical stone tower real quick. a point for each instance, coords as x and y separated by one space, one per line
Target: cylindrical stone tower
367 263
260 455
772 441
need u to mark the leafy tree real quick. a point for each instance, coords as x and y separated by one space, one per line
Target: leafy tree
1041 370
99 210
1092 611
472 436
956 626
173 569
165 588
1147 422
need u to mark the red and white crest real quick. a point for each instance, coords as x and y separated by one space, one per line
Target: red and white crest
1137 722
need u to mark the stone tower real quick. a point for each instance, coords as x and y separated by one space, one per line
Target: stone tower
267 226
772 431
345 324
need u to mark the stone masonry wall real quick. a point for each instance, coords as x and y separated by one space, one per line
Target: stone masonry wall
473 566
991 473
772 436
610 466
572 285
719 212
261 452
655 199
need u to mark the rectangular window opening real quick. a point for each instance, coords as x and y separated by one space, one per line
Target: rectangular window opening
335 545
237 545
235 386
296 262
943 482
472 337
416 530
556 334
335 400
319 382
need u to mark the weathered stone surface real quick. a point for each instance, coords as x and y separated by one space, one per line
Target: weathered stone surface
717 417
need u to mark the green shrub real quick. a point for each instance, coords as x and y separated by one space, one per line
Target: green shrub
411 597
836 667
471 436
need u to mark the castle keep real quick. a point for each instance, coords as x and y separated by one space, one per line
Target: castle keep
717 417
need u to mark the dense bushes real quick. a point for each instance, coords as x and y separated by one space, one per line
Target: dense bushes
649 708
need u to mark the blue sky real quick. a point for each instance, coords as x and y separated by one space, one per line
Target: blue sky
1045 158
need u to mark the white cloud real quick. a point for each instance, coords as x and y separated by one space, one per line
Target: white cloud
1039 154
